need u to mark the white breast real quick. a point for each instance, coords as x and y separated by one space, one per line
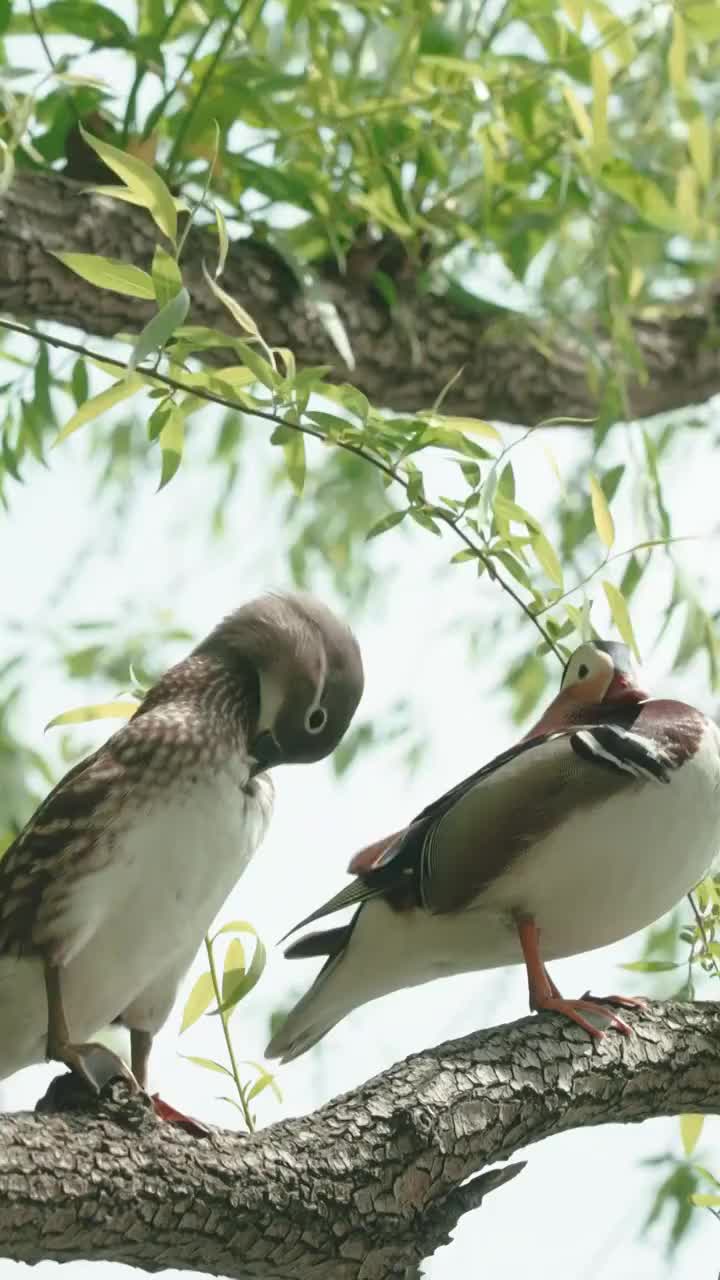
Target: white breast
603 874
148 910
611 870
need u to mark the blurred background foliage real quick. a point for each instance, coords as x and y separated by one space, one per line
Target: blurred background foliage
553 165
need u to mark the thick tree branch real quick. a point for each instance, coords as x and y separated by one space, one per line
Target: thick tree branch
511 370
364 1188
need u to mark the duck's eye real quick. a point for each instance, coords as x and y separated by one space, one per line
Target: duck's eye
316 720
583 671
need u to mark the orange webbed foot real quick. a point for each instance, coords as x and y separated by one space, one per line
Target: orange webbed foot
593 1016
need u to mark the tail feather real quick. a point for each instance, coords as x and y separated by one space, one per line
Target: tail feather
327 1000
353 973
325 943
308 1021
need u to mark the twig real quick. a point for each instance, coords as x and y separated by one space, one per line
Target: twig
41 35
228 1038
277 419
141 70
204 86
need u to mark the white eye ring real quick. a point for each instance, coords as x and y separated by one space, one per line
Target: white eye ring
315 719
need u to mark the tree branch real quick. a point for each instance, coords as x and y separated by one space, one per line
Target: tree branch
512 370
366 1187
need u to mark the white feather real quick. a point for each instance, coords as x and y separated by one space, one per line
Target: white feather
141 919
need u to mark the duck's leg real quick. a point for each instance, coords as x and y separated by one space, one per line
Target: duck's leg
92 1062
140 1047
593 1016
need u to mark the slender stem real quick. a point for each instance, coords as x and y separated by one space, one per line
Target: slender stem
189 115
141 70
190 57
41 35
359 451
228 1039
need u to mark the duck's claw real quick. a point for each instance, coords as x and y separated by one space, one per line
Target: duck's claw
593 1016
96 1065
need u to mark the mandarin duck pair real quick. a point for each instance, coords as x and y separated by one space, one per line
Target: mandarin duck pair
591 827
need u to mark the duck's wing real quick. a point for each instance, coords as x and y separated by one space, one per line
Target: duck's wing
469 836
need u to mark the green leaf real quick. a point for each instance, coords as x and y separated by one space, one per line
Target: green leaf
547 558
234 968
236 926
171 438
650 966
473 426
703 21
262 368
243 317
265 1079
197 1002
423 517
601 514
294 452
95 711
677 57
94 22
350 398
207 1063
126 196
704 1200
509 510
109 273
249 979
579 114
690 1129
643 194
160 328
223 243
92 409
79 382
143 181
159 417
621 616
700 146
387 522
601 89
166 277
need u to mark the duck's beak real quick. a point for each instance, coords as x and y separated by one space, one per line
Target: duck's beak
623 688
265 751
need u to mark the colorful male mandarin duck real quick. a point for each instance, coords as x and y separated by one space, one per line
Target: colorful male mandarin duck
591 827
107 893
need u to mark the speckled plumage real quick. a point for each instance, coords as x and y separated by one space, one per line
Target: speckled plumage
121 870
195 717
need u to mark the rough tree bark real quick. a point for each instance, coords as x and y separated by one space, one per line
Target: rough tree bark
512 371
366 1187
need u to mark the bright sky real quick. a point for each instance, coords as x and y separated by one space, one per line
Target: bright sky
581 1201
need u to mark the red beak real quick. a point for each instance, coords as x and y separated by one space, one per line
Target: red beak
622 688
